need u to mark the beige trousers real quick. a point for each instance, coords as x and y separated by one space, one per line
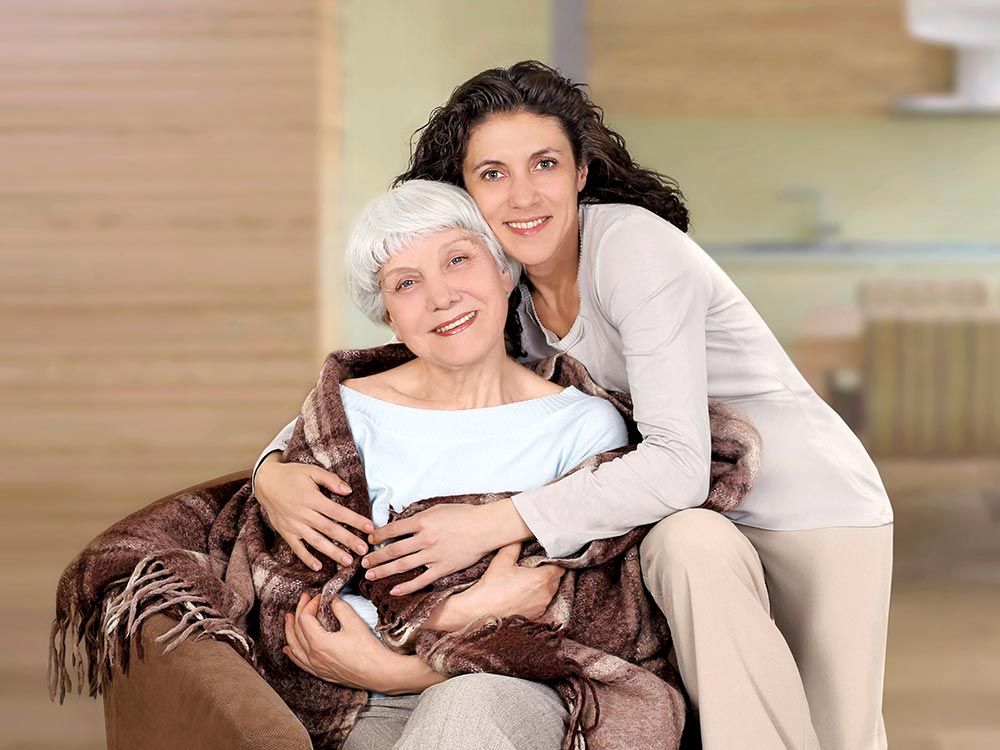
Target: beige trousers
482 711
779 635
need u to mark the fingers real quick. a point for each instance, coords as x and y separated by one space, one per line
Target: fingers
321 544
402 565
302 553
297 624
390 552
403 527
338 533
424 579
294 650
335 511
328 479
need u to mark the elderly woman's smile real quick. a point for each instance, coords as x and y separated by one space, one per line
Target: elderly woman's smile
456 325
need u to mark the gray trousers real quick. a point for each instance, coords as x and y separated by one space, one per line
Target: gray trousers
483 711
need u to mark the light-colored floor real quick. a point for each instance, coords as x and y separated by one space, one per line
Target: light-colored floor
942 687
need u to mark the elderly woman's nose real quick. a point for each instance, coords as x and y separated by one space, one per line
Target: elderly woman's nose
440 293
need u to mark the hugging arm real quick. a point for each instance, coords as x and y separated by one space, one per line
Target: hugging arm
354 657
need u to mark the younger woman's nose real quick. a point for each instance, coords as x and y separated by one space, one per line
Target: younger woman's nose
522 192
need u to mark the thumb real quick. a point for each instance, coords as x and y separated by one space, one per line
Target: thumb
507 555
345 614
329 480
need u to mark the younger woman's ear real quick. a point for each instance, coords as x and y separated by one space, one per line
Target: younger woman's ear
581 178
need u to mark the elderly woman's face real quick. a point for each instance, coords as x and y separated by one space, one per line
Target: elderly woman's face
446 298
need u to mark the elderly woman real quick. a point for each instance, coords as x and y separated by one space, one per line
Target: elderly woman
461 417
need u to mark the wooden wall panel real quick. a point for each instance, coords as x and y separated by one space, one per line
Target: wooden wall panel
667 58
158 278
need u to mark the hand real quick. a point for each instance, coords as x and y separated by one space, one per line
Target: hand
353 656
505 589
299 512
444 538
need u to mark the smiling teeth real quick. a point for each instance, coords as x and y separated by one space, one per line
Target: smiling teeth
457 323
526 224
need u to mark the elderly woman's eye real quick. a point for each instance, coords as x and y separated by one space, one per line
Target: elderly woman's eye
458 259
404 284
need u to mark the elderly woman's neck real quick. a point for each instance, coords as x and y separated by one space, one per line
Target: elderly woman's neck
494 381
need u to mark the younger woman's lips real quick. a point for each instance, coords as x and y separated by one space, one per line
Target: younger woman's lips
528 232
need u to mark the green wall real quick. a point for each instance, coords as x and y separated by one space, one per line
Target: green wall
892 178
400 60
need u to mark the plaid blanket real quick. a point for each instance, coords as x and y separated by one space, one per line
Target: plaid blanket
208 558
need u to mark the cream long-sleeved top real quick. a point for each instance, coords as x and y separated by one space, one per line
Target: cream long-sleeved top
661 321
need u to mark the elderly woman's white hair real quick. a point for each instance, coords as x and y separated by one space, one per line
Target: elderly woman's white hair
395 220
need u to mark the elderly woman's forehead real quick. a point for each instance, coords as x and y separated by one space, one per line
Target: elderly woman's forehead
431 243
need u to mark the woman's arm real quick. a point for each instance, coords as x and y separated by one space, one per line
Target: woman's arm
352 656
654 288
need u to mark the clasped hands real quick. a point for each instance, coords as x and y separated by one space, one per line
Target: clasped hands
355 657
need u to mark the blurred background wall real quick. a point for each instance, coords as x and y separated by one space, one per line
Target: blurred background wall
178 179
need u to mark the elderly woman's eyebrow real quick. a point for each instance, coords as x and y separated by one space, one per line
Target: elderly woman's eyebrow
467 240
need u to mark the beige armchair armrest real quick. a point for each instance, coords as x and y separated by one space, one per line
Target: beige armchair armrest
203 695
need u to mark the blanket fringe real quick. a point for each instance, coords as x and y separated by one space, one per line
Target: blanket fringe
102 642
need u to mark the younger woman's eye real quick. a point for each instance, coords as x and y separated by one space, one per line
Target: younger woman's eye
491 175
546 163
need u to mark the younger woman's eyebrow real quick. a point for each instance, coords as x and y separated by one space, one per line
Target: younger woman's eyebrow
497 162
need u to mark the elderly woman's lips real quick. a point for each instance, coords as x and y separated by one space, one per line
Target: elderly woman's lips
456 325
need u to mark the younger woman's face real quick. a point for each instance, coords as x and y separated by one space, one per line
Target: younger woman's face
519 169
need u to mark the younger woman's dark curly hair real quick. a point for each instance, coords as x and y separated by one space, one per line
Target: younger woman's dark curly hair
530 86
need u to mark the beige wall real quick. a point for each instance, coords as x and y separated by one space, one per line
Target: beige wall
158 233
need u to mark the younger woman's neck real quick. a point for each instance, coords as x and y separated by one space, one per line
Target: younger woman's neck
555 280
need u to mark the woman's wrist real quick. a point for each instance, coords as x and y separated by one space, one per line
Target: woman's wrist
454 613
407 675
506 523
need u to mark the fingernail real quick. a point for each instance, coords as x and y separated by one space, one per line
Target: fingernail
345 560
364 563
370 529
370 575
344 487
394 592
316 566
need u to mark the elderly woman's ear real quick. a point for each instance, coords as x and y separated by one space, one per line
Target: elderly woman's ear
387 319
508 279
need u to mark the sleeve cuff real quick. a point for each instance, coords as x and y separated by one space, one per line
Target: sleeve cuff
546 534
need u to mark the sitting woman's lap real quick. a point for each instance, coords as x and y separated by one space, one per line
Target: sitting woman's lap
488 711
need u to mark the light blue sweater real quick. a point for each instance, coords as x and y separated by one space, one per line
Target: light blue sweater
412 454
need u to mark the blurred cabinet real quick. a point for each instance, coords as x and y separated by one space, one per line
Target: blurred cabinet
773 58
